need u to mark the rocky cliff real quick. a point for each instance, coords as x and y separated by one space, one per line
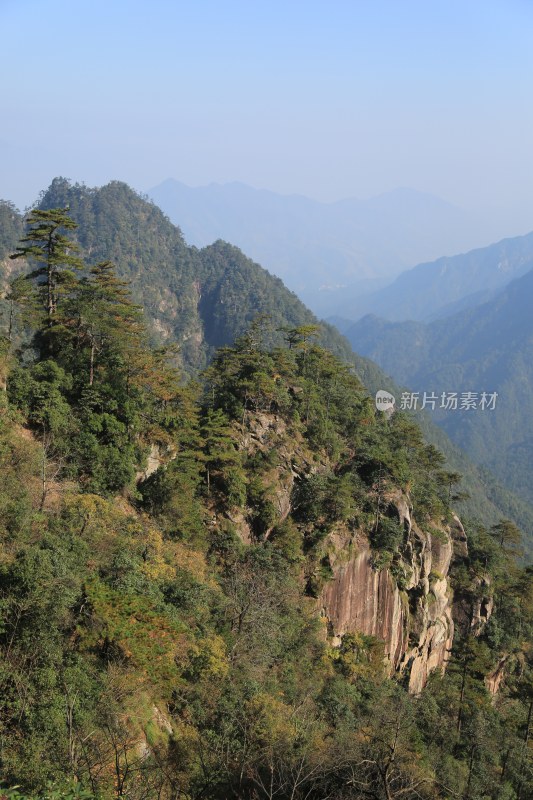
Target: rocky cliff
407 606
407 603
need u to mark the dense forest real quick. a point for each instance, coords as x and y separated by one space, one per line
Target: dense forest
200 300
488 345
168 548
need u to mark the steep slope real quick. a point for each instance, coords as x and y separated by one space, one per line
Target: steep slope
489 348
487 497
442 287
402 599
11 229
203 299
312 245
222 618
233 621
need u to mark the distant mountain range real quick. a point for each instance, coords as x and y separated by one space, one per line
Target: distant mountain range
487 348
315 247
443 287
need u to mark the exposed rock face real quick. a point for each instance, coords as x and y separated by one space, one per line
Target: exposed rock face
361 598
482 609
243 528
415 621
407 605
413 614
268 432
157 456
161 727
460 545
495 678
472 610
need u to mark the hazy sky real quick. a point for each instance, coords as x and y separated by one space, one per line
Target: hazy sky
329 99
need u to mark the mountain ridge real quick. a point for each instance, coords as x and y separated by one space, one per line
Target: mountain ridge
487 348
310 243
204 299
283 600
431 290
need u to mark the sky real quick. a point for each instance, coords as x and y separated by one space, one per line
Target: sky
329 99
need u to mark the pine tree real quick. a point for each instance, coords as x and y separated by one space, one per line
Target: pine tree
102 308
55 256
508 537
218 444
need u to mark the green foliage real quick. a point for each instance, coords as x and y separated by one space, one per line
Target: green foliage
287 538
202 299
171 495
205 299
105 391
485 348
39 392
387 535
147 651
11 228
47 244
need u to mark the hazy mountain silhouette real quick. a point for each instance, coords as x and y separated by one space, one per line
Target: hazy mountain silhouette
442 287
313 246
488 348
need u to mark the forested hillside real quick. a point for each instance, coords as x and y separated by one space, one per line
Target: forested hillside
176 559
437 289
203 299
488 348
